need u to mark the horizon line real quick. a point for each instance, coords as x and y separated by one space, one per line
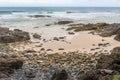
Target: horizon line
59 6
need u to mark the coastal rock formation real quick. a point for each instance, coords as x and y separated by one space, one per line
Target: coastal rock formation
9 63
39 16
64 22
102 29
107 67
8 36
110 30
85 27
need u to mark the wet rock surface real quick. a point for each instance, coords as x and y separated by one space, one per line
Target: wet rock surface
102 29
85 27
106 68
33 65
8 36
64 22
36 36
60 75
10 63
39 16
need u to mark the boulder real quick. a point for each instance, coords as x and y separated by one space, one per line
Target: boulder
117 37
55 38
10 63
8 36
110 30
60 75
39 16
64 22
110 61
37 36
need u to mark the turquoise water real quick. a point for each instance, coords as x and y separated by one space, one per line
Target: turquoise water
59 9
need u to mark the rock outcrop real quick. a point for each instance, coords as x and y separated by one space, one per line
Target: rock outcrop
64 22
10 63
102 29
107 67
8 36
86 27
39 16
60 75
37 36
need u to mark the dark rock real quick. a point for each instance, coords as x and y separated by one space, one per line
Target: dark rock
61 37
30 74
49 50
8 64
61 49
3 75
8 36
39 16
42 49
90 75
36 27
104 62
117 37
64 22
71 33
17 30
47 24
30 51
110 61
60 75
85 27
110 30
37 36
55 38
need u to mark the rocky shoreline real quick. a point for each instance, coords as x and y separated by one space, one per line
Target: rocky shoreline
102 29
33 65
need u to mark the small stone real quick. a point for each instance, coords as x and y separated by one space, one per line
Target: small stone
71 33
37 36
61 49
55 38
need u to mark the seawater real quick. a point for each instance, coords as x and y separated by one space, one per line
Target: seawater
18 16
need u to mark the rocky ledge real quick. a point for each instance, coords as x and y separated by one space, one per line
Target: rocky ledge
8 36
39 16
102 29
8 66
64 22
107 67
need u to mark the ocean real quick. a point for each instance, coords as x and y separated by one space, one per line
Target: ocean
18 16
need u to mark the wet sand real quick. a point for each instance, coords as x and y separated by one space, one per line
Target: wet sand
81 41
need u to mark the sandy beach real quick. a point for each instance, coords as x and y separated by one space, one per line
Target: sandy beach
83 42
59 43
